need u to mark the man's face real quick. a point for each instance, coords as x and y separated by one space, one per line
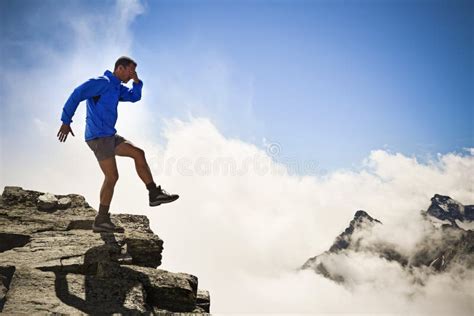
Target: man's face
125 73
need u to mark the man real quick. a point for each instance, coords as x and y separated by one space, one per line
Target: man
103 94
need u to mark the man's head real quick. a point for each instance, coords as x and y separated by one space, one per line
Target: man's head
124 67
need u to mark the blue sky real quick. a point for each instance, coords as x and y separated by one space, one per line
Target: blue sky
325 80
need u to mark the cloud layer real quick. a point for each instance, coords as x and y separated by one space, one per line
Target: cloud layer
244 233
250 230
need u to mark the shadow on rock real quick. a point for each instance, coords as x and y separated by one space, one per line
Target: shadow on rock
101 284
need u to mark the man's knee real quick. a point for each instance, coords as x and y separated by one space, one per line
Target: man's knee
109 168
140 155
111 179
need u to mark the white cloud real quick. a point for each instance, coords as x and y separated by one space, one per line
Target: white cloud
249 232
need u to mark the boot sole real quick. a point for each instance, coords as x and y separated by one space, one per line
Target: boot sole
156 203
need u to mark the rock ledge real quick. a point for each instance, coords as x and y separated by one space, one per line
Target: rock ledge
52 262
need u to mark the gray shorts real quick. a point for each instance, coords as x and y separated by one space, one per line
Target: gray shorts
104 147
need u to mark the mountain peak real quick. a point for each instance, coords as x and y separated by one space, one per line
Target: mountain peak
451 245
445 208
361 214
361 219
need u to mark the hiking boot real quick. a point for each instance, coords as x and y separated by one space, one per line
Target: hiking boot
103 223
160 196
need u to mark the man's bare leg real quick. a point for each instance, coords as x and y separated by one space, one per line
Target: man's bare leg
102 221
156 195
126 149
109 168
143 170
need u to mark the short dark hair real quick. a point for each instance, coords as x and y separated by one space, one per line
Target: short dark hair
124 61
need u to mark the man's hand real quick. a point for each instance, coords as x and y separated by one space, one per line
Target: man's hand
64 131
133 74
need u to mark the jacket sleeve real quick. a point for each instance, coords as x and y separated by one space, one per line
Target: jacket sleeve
88 89
132 95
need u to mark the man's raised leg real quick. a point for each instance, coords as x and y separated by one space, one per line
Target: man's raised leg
126 149
156 195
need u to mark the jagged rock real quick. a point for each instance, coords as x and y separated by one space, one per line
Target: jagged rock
52 262
455 246
361 218
64 203
166 290
445 208
449 217
47 202
469 212
16 195
361 221
203 300
13 195
6 274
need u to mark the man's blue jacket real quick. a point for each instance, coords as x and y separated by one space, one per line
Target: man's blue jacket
102 94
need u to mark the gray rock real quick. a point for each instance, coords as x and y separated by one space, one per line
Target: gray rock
64 203
445 208
361 221
203 300
52 262
6 274
16 195
171 291
13 196
47 202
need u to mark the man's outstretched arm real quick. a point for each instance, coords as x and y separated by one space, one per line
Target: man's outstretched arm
88 89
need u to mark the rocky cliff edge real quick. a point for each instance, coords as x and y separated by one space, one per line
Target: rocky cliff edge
52 262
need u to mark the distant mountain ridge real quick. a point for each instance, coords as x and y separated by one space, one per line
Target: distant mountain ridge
445 208
451 242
